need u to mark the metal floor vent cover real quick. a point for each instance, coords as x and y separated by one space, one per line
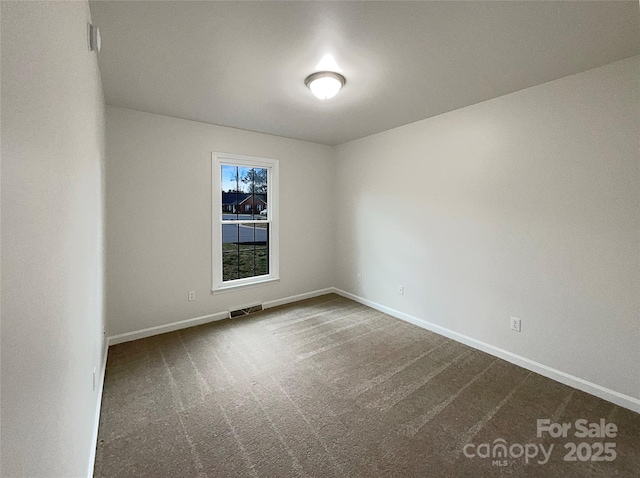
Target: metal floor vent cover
234 314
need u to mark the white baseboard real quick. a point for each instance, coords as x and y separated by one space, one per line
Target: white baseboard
183 324
96 420
296 298
618 398
163 329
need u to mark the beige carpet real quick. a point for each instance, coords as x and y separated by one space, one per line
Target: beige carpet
330 388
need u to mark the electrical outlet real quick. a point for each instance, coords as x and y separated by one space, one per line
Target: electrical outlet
515 324
359 277
192 295
400 290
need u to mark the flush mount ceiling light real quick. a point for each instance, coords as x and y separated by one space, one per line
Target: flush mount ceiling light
325 84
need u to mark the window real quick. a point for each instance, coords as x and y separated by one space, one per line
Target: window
245 224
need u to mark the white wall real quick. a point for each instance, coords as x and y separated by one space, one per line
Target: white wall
52 247
159 218
527 205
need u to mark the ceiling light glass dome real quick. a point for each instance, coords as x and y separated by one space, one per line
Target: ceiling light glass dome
325 84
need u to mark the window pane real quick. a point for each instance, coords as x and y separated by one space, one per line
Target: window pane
231 192
229 265
230 203
245 250
258 188
262 261
246 257
244 193
230 234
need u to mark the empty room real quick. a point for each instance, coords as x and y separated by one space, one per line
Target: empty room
320 239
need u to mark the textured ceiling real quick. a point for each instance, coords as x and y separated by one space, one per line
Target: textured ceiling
242 64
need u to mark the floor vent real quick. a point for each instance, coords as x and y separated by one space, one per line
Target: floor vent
234 314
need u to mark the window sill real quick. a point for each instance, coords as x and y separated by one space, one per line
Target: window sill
232 287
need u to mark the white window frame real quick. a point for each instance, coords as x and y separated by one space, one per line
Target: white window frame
271 165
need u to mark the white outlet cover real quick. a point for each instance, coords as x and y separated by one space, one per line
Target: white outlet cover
515 324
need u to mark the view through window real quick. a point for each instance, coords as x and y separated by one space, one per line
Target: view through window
245 245
246 217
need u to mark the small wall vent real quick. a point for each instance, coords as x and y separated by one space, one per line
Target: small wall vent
234 314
